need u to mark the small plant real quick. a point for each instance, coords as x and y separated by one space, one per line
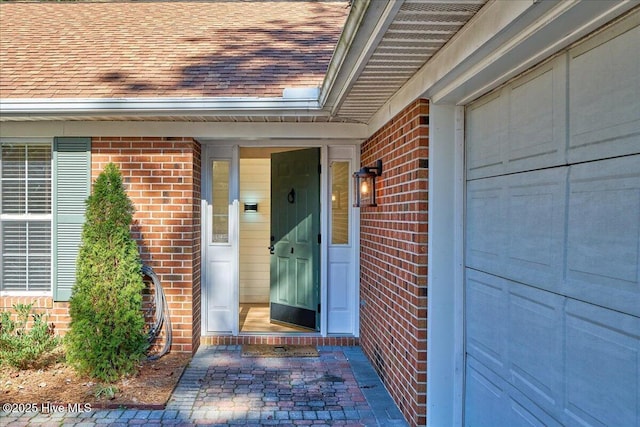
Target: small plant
108 391
25 347
106 339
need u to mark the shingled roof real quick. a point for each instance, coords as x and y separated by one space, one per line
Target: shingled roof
165 49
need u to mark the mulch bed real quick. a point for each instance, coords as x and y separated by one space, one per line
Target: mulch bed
150 388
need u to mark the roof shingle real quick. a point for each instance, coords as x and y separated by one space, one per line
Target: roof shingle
165 49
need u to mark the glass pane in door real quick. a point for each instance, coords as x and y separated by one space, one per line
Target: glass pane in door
220 201
340 203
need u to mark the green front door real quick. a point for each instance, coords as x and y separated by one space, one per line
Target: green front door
295 237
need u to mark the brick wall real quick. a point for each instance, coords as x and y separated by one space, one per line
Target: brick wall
162 178
393 260
196 241
58 312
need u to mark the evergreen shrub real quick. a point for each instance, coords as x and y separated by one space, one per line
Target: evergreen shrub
106 338
26 346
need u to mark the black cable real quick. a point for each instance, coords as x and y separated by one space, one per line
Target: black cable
161 315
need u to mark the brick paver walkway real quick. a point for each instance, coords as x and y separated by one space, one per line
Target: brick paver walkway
222 388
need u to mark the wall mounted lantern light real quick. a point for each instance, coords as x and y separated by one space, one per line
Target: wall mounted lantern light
364 182
250 207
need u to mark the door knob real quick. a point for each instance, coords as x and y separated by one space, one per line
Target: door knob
271 249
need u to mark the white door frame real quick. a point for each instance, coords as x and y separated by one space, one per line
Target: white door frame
230 150
445 330
224 255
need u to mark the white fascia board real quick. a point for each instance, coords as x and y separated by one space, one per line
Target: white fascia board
160 106
366 25
199 130
341 51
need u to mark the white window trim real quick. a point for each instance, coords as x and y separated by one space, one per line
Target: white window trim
28 217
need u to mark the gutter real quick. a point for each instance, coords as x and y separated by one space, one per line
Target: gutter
87 107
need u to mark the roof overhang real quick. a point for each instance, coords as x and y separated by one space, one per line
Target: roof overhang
366 24
383 45
391 60
287 118
390 53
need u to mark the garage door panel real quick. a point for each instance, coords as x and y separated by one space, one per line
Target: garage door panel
485 234
522 359
488 395
521 127
486 307
525 413
534 221
603 252
486 129
537 119
515 226
507 324
552 249
604 93
603 366
535 323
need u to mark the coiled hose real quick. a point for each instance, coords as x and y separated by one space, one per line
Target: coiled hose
161 315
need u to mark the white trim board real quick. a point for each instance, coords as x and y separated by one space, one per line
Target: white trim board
445 335
200 130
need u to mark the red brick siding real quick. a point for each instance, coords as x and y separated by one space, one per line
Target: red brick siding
393 260
278 340
57 311
162 177
196 245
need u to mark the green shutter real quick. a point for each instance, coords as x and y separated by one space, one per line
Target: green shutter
71 187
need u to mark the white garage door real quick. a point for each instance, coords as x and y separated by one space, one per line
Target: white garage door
552 287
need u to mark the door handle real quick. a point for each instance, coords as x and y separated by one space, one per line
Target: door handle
271 249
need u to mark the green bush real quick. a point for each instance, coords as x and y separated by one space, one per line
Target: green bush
25 347
106 338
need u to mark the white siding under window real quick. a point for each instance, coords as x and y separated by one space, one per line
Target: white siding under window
25 218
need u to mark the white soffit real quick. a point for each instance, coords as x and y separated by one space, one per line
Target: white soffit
503 40
418 30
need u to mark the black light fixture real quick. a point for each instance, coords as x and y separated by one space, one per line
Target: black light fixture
250 207
365 185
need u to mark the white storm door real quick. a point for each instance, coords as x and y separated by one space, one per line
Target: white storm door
220 239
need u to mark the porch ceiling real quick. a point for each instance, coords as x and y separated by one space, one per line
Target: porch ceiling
413 35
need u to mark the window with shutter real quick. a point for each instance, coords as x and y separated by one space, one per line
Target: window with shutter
25 216
41 213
